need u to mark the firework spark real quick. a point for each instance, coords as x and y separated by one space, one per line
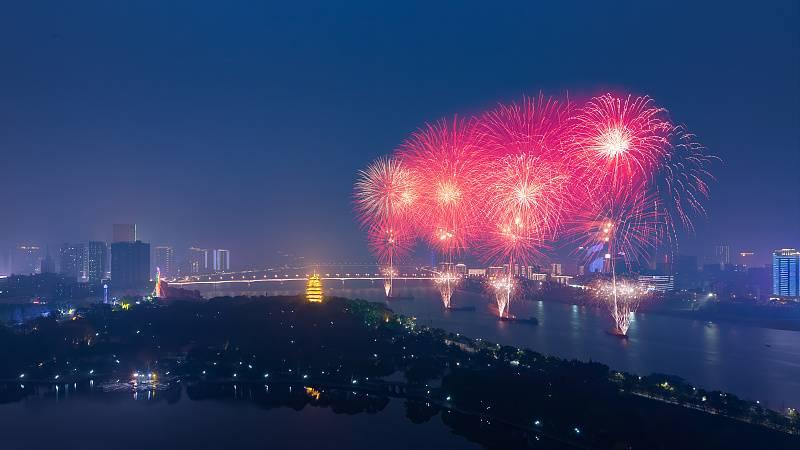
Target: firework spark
619 142
523 184
448 159
385 195
622 297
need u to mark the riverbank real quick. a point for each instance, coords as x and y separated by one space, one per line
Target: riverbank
356 343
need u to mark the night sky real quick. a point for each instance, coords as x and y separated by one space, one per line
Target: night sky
242 126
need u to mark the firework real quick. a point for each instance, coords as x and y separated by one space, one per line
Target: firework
614 175
523 185
682 182
622 297
385 195
619 143
448 159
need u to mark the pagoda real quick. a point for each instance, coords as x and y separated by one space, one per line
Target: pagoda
314 289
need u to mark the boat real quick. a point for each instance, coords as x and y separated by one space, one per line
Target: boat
461 308
400 297
530 320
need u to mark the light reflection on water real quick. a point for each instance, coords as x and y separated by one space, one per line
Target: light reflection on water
754 363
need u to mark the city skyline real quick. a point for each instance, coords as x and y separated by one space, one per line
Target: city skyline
153 157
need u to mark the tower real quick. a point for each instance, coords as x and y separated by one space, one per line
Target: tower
314 289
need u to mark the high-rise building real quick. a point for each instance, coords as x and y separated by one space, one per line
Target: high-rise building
124 232
130 264
71 260
48 264
165 260
197 260
222 260
555 269
95 260
26 259
722 255
786 272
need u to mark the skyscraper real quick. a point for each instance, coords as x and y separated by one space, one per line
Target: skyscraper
26 259
124 232
95 260
130 265
197 260
48 264
786 272
165 260
222 260
722 255
71 260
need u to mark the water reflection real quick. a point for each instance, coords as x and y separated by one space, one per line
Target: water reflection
219 415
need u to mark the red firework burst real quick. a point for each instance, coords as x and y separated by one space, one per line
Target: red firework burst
524 182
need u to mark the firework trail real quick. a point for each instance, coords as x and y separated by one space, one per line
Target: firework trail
448 159
523 185
619 145
385 195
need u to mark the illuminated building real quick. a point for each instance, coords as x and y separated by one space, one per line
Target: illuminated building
130 264
555 269
461 269
537 276
71 260
786 272
495 272
722 255
221 260
476 273
657 283
26 259
198 260
95 260
164 258
124 232
561 279
314 289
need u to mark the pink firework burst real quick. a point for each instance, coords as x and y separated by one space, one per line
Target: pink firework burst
448 160
619 142
385 192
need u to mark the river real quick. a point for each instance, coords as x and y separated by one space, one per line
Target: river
754 363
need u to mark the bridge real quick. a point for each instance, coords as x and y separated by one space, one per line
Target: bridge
280 275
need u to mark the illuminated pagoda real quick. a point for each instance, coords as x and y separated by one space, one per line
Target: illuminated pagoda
314 289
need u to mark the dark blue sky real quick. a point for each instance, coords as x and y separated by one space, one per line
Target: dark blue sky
242 125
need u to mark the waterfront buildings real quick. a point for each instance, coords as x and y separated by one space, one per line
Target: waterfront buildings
197 260
222 260
657 283
164 258
786 272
